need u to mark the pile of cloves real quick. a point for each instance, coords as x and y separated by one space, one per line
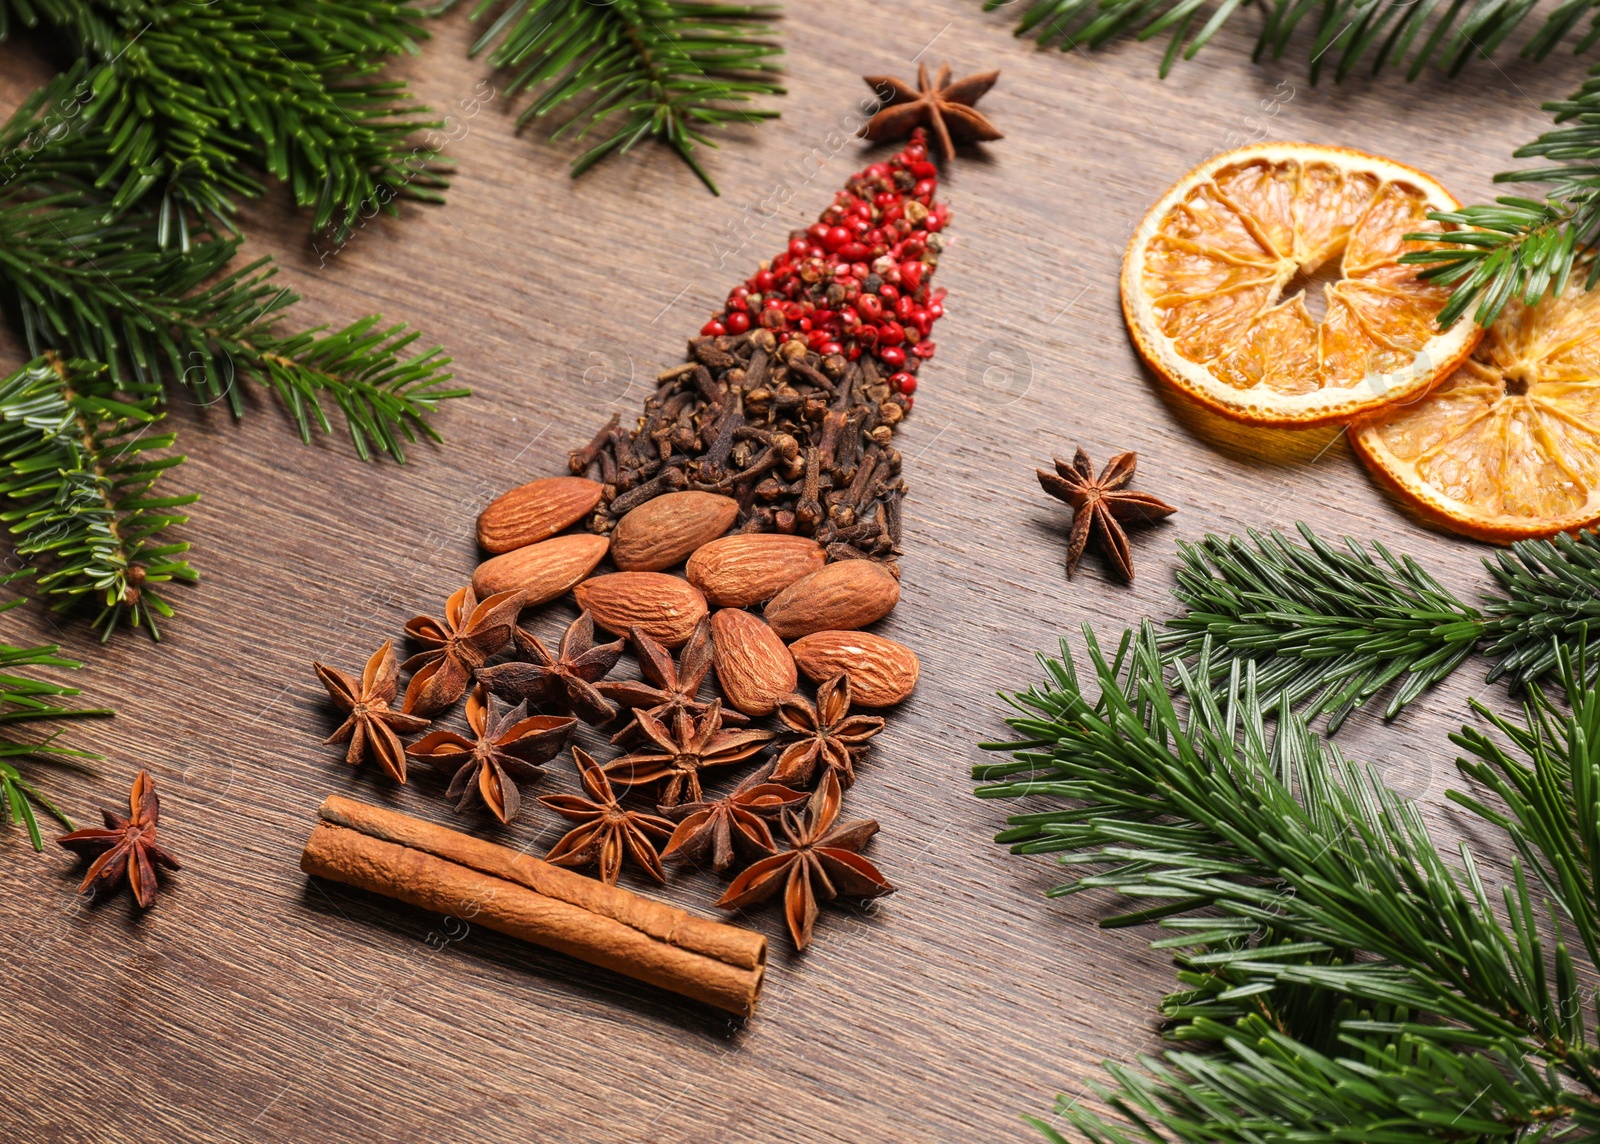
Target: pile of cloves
802 442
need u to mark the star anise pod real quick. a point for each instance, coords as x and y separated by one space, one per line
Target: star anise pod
606 831
735 823
510 744
825 733
371 723
1101 506
822 859
675 754
456 646
944 107
565 679
127 846
666 688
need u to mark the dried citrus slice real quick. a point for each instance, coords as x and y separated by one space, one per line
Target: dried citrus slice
1509 446
1266 283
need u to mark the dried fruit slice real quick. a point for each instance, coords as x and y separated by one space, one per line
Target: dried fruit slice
1266 284
1509 446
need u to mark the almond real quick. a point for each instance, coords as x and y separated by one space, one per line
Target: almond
753 667
663 607
881 672
536 511
663 530
841 596
542 571
738 571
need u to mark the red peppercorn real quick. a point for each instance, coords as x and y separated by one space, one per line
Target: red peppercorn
816 339
798 248
935 310
849 318
855 251
907 386
870 307
890 333
911 274
867 336
833 237
828 349
897 380
818 231
712 328
910 401
903 306
773 319
738 322
923 169
893 356
764 280
923 349
889 292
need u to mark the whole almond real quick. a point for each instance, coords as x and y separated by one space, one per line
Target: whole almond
542 571
882 672
841 596
665 529
664 607
753 667
536 511
746 569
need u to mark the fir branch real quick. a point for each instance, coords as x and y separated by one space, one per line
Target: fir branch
1345 34
193 102
25 699
1295 886
1327 629
78 463
631 69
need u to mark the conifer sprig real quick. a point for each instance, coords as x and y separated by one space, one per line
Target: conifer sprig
25 699
1328 628
79 459
627 70
1340 979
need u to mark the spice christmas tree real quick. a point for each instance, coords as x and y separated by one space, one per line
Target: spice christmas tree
792 391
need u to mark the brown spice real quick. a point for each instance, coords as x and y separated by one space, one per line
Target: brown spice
371 724
666 688
566 678
717 830
456 646
941 105
606 831
126 847
824 733
822 858
678 751
1101 506
508 746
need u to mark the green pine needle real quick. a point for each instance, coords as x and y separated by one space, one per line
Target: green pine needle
627 70
1339 978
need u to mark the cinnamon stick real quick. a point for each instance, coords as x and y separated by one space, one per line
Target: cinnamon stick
436 868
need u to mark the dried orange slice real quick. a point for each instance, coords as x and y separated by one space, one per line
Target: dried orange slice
1220 285
1509 447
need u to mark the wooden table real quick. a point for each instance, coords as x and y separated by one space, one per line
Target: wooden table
251 1004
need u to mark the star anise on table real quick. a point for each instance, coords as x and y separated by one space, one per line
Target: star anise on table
944 107
666 688
677 752
824 733
565 679
371 725
822 859
606 831
126 847
456 646
509 745
1101 506
718 829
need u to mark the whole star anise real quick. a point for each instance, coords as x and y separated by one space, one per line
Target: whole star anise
371 723
565 679
1101 506
944 107
127 846
822 859
606 831
733 824
825 733
675 754
666 688
510 744
456 646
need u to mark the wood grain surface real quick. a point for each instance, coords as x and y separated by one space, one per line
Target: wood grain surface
251 1004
